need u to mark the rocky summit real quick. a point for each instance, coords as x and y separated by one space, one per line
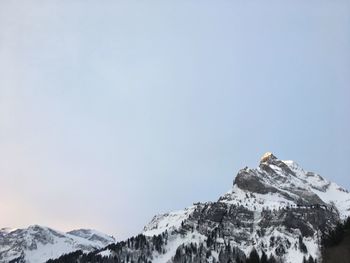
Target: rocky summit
276 212
278 209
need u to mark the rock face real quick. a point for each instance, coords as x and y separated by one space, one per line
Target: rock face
276 211
272 208
37 244
267 156
276 177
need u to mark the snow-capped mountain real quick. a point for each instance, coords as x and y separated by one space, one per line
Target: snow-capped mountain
268 208
276 211
37 244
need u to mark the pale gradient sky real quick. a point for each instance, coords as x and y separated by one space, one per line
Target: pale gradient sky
113 111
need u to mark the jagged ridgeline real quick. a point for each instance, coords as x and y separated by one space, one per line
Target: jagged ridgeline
277 212
37 244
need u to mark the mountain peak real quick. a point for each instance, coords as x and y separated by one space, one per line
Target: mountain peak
277 208
289 183
267 156
274 208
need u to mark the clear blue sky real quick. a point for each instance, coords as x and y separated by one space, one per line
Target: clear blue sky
113 111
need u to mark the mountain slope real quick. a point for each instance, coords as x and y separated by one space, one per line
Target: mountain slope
37 244
277 211
278 200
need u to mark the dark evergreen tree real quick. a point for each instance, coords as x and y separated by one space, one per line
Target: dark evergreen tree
310 260
210 241
253 257
302 246
263 258
347 224
272 259
178 254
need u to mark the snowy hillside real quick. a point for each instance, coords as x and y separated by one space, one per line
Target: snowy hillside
37 244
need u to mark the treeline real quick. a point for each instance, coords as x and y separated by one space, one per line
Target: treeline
309 260
138 249
141 249
193 253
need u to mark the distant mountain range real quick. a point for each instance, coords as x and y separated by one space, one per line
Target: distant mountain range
277 212
37 244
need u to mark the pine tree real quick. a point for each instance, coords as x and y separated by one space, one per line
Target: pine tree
311 259
263 258
253 257
272 259
302 245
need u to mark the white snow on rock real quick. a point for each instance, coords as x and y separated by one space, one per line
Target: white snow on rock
288 184
275 186
329 192
37 244
169 221
105 253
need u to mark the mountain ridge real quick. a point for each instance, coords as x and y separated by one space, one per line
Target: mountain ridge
36 243
273 185
277 211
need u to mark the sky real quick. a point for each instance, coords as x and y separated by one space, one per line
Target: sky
114 111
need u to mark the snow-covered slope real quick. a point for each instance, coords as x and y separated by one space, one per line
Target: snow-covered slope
169 221
99 239
329 192
277 183
269 208
278 210
37 244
